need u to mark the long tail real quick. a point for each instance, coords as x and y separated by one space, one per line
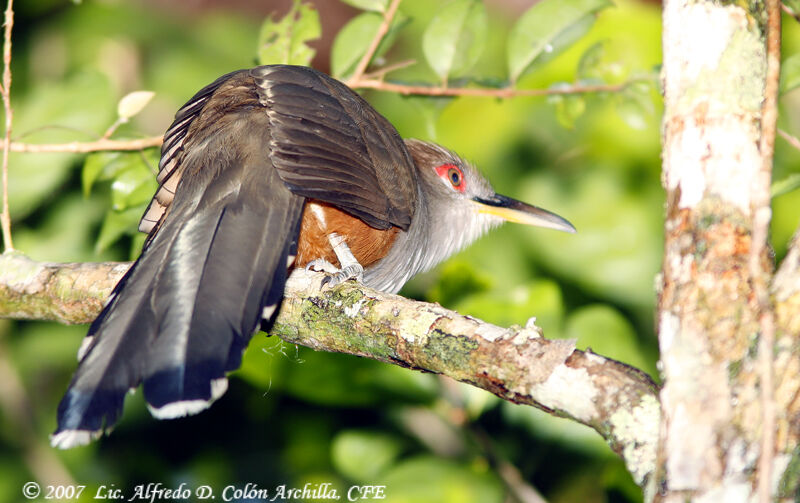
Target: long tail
182 316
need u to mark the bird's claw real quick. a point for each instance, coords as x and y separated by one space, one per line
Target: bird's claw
352 271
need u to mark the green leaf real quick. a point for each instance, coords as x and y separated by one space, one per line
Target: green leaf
104 166
635 105
790 73
608 61
547 28
84 102
284 41
336 380
457 281
49 240
372 5
794 5
786 185
133 187
455 38
599 207
117 224
569 108
632 113
589 66
352 41
540 298
363 456
93 166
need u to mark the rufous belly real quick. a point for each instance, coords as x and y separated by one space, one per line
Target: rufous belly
321 219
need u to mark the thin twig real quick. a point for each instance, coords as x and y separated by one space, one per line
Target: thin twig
761 217
789 11
388 16
380 73
5 216
506 92
371 83
90 146
792 140
364 83
113 127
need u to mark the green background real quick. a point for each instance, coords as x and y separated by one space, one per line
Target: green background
294 416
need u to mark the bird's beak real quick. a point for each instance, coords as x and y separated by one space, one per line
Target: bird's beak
512 210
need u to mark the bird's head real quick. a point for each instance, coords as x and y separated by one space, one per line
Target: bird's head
462 204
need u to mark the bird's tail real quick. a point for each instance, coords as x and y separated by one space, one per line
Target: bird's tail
183 314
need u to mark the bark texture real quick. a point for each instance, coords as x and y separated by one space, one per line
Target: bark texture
517 363
710 316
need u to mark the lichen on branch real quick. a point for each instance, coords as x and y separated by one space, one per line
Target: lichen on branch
517 363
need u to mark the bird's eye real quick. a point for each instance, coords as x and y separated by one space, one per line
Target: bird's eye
455 176
452 175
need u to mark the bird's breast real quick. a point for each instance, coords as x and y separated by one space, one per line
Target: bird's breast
321 219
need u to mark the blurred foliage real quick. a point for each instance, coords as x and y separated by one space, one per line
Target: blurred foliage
352 41
546 29
285 41
294 416
455 38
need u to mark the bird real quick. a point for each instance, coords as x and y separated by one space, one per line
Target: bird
265 170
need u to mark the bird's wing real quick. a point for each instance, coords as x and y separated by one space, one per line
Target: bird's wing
216 262
172 152
236 167
329 144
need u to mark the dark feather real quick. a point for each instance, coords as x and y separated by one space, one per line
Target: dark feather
342 125
188 307
237 164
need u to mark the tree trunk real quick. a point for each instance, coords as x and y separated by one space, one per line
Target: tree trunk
722 336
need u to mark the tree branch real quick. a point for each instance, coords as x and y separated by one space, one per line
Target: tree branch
90 146
105 144
791 140
516 364
759 274
506 92
383 29
715 308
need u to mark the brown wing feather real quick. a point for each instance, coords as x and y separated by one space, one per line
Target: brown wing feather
330 144
172 152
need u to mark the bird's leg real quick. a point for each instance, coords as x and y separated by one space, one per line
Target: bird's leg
350 267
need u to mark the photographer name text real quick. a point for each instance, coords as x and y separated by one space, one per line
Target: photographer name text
157 491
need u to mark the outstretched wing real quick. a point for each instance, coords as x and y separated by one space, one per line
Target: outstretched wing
237 165
327 143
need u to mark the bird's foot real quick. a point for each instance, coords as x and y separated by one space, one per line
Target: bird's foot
351 268
333 275
351 271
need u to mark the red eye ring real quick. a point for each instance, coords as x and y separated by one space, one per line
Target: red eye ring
453 175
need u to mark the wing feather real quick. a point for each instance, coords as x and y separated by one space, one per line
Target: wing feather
315 118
